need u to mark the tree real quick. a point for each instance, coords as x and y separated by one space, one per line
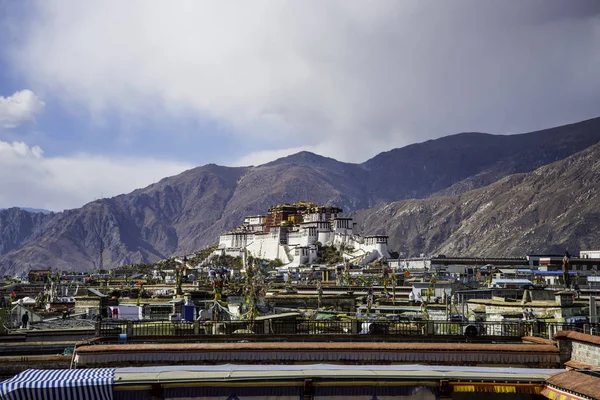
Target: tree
225 260
202 255
328 255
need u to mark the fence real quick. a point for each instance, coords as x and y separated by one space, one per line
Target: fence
146 328
547 330
515 329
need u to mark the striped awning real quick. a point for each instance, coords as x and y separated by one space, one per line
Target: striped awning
524 388
67 384
557 394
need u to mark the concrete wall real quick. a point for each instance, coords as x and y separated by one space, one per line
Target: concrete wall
266 246
438 291
83 303
547 295
301 237
516 307
233 240
586 353
578 347
415 263
19 310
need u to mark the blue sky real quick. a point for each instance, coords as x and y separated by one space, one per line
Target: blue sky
98 98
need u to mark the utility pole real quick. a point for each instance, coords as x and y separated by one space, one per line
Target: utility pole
179 273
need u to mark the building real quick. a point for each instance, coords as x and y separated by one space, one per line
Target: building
546 278
39 275
291 232
593 282
543 305
311 382
439 292
587 265
415 263
589 254
17 313
509 283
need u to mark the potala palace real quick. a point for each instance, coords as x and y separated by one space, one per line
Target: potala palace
290 232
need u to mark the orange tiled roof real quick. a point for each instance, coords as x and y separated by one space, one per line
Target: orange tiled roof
578 382
582 337
257 346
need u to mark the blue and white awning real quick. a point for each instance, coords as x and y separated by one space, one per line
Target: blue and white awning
66 384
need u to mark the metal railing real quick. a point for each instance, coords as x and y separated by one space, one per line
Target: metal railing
547 329
502 329
146 328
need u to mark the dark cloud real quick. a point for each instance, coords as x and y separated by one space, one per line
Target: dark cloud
347 79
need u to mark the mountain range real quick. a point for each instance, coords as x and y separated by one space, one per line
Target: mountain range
465 194
32 210
549 210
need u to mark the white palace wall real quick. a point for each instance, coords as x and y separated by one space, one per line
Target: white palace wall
298 245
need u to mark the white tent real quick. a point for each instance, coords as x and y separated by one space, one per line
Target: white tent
26 301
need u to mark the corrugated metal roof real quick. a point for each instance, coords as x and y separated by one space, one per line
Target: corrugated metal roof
339 367
96 292
278 316
538 272
515 281
125 376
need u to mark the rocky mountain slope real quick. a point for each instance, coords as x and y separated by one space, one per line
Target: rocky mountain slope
553 208
32 210
455 164
186 212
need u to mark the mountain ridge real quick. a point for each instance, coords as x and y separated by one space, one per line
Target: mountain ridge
31 210
183 213
511 215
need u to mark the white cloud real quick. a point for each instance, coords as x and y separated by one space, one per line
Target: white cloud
342 76
30 179
265 156
335 148
19 108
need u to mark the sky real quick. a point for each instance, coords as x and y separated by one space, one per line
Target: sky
101 97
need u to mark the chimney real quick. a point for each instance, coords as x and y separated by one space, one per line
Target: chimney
563 298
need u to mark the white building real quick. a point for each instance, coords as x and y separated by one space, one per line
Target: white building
415 263
440 291
589 254
510 283
290 233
